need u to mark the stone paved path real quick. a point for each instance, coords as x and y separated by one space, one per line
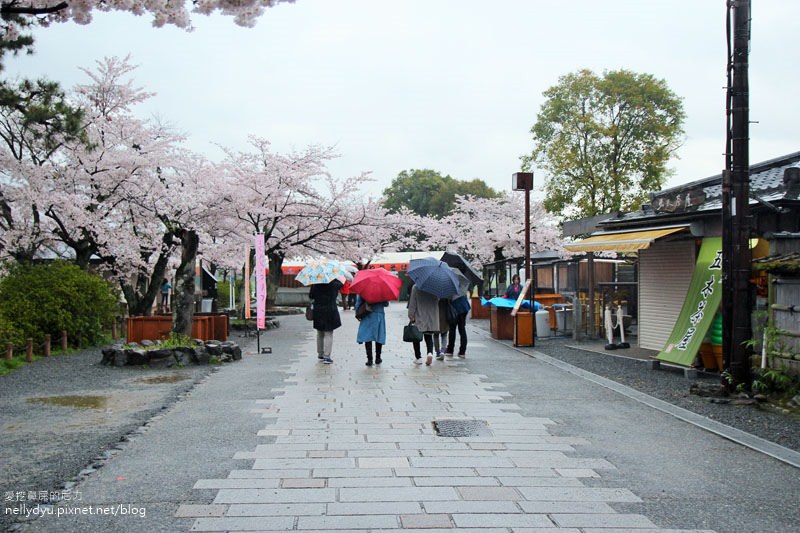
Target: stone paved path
280 442
351 448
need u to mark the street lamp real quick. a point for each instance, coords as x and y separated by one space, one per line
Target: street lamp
523 181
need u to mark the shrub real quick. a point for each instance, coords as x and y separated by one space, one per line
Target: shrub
48 298
8 333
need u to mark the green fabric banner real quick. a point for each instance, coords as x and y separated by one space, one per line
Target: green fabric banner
702 302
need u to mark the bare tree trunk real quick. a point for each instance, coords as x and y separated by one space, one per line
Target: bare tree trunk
274 280
142 292
184 284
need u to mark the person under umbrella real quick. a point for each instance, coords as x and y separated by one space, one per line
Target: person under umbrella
423 310
326 277
461 308
440 337
451 316
326 316
433 276
372 328
376 285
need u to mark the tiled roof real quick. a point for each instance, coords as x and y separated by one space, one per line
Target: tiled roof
766 183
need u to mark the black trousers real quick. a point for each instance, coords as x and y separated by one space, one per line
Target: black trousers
368 347
428 345
461 324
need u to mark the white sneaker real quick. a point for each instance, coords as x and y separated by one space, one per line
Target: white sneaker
429 359
418 360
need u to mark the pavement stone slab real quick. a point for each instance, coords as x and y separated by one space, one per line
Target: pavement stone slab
346 448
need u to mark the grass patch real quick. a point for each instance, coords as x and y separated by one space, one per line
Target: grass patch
8 366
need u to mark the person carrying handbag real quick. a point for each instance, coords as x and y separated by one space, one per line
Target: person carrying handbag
423 311
372 328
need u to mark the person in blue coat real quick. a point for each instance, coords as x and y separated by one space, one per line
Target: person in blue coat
372 329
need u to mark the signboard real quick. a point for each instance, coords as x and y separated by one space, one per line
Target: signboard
679 202
522 296
700 306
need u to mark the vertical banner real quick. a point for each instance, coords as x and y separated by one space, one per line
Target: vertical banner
261 283
247 284
700 306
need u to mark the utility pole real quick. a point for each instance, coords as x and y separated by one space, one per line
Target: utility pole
736 294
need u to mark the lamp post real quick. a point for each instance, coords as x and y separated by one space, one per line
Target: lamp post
523 181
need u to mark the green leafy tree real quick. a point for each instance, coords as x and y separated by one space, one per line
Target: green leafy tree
49 298
429 194
604 142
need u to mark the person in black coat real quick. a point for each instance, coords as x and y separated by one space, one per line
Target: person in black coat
326 316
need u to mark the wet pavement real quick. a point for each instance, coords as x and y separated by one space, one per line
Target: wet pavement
503 440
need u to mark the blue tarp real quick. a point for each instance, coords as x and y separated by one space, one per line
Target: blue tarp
509 303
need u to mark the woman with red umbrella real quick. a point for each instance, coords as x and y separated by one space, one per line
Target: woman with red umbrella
372 328
374 287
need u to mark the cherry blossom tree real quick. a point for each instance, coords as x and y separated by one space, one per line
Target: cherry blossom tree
95 202
129 198
484 230
35 122
299 207
19 14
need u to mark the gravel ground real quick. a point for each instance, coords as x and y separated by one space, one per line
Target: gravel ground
46 446
671 386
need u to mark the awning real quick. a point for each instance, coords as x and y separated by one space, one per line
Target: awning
629 241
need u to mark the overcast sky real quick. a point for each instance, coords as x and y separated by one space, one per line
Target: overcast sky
450 85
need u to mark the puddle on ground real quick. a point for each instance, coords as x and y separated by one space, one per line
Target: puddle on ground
76 401
167 378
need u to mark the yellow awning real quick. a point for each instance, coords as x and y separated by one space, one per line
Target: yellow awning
629 241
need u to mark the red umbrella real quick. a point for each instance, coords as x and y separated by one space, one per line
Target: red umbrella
376 285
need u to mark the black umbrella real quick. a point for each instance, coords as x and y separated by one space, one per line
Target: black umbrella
455 260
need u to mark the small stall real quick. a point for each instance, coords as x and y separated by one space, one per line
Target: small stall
501 323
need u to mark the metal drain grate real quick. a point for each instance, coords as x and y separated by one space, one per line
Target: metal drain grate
462 428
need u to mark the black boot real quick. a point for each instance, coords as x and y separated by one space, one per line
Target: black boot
378 359
369 360
368 347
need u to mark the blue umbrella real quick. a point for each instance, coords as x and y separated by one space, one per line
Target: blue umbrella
509 303
434 277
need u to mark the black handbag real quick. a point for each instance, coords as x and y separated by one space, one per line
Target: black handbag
309 312
411 333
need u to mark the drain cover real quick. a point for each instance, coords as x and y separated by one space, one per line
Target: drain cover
462 428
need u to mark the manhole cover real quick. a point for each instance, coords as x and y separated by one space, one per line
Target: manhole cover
462 428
